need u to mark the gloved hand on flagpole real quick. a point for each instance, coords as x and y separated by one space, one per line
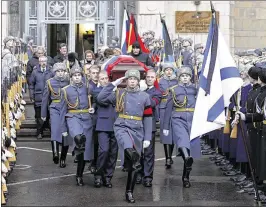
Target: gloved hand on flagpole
146 143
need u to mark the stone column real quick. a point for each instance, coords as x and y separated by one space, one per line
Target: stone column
14 18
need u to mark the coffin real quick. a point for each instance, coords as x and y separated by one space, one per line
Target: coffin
119 68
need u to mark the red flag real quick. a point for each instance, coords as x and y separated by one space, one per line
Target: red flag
134 36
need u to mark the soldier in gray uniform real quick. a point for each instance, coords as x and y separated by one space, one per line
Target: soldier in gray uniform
51 99
76 119
178 118
197 58
134 115
167 81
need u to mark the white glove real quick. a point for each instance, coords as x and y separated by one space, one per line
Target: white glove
146 143
165 132
64 134
242 116
43 118
142 85
234 122
118 81
91 110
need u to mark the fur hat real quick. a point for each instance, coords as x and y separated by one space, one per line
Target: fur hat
184 70
59 66
133 73
168 65
197 46
75 69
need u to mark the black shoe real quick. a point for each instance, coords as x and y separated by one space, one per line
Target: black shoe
79 181
76 160
129 197
39 136
93 169
168 163
56 159
148 184
97 183
186 183
171 161
62 163
107 184
138 179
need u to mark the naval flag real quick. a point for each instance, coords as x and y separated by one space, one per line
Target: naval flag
219 80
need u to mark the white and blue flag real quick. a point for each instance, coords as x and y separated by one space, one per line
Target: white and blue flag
219 80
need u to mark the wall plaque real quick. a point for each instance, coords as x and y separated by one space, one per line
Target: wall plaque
193 21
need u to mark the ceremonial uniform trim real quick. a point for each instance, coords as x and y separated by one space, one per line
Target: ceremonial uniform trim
137 118
184 109
56 101
78 111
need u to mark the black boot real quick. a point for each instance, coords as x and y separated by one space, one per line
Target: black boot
55 150
80 169
188 161
64 151
167 156
132 163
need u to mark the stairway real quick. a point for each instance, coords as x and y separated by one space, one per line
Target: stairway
27 131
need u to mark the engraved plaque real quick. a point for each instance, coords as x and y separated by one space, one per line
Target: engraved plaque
193 21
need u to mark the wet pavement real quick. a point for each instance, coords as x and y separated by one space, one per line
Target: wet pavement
36 181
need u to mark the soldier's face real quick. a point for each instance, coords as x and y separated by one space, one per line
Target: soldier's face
77 78
94 74
132 82
150 78
60 73
63 50
135 50
89 57
185 78
168 72
103 79
201 50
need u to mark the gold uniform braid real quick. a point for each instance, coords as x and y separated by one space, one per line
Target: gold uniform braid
176 102
54 94
72 106
119 107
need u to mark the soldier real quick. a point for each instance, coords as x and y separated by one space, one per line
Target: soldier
255 117
134 115
142 57
167 81
199 55
76 120
187 52
51 95
179 114
62 53
147 159
37 82
108 148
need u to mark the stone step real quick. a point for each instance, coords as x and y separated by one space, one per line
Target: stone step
28 124
32 139
30 132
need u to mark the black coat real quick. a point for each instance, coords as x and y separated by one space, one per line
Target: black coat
144 58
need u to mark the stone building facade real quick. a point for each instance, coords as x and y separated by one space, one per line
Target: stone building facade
243 23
